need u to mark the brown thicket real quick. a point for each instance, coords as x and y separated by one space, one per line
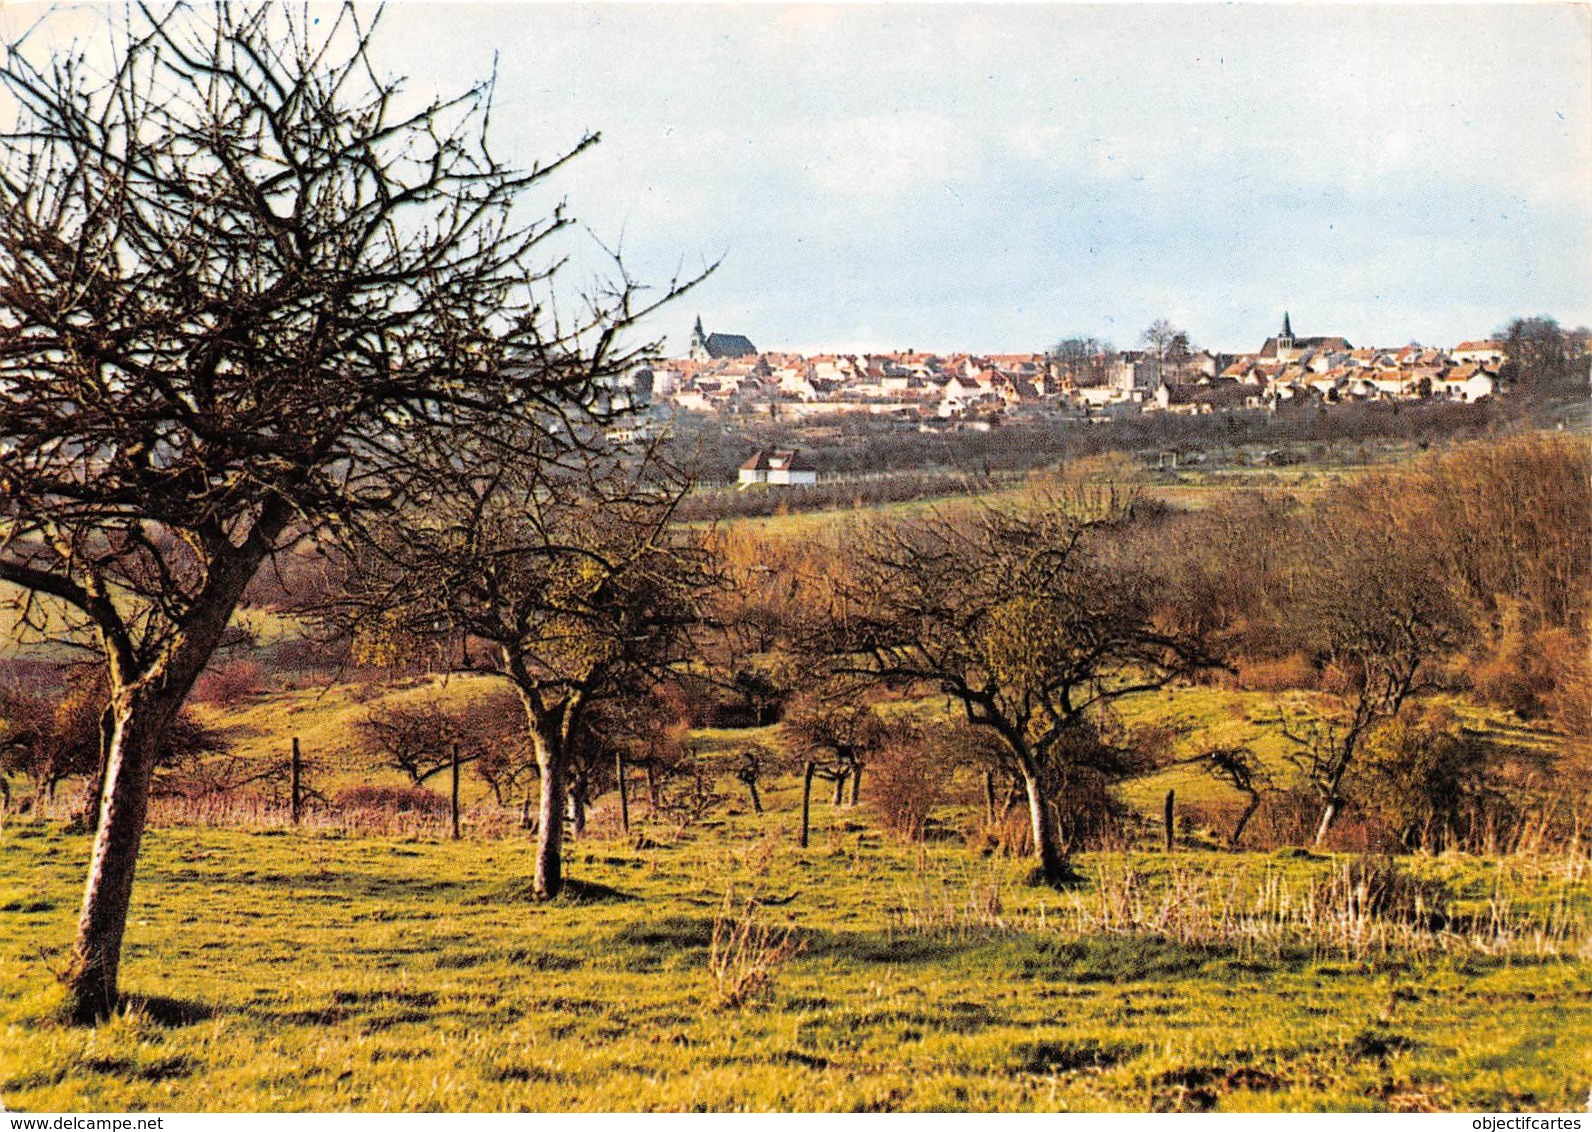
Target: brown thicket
908 778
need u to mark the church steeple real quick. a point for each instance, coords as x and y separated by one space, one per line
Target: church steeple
1287 327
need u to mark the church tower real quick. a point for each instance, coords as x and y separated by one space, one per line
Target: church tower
699 342
1285 341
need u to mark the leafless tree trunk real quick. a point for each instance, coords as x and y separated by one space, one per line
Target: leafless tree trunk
550 820
1053 863
1251 805
1329 814
143 715
296 784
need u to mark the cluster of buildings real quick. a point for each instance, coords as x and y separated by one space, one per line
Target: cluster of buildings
727 373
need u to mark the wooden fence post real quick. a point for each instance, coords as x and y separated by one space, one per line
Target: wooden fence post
453 799
624 799
296 784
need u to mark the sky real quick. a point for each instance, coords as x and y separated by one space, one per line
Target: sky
956 177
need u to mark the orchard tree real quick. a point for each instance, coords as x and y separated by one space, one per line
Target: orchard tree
834 728
568 570
241 272
1025 620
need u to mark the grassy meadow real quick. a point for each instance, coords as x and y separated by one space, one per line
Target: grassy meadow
721 967
369 963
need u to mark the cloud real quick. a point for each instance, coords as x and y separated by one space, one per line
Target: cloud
995 176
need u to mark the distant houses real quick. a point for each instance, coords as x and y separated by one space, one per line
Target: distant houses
726 374
783 466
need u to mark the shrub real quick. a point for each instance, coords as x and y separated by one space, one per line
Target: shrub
746 955
1281 674
1569 700
1285 817
1421 777
228 685
1090 815
907 780
1377 886
308 654
1009 835
1524 669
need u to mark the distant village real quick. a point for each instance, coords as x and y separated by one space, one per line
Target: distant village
727 373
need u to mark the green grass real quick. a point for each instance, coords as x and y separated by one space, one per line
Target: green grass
278 971
326 721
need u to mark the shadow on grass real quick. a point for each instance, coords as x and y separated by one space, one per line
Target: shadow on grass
884 947
666 933
592 892
574 892
171 1013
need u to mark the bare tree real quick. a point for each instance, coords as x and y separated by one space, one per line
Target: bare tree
839 733
1082 361
1237 766
1024 621
570 572
1376 608
419 736
1169 346
239 272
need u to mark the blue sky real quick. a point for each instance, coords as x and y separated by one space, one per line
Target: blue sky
992 178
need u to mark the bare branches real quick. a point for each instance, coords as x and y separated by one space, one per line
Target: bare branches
240 275
1023 618
243 277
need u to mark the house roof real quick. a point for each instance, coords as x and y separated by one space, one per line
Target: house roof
778 459
1332 343
1219 395
729 346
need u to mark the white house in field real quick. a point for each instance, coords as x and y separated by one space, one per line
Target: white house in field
1466 383
784 466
